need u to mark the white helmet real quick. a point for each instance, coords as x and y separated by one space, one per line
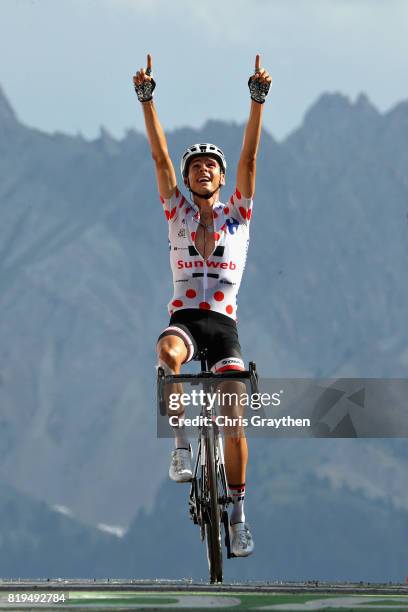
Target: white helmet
205 148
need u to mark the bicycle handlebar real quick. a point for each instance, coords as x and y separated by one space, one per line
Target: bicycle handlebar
234 375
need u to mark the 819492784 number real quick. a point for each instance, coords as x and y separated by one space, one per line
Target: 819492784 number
37 598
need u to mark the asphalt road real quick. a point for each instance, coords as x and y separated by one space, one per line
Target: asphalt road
101 595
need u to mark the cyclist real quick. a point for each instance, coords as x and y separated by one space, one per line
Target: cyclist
208 246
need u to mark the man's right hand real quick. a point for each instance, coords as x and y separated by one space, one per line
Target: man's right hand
144 83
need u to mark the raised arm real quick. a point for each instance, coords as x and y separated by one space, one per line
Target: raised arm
166 177
259 85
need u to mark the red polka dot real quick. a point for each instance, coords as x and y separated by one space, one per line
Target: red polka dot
224 228
177 303
204 306
190 293
166 212
226 210
215 215
173 212
238 194
182 202
232 200
193 235
216 236
219 296
161 200
249 213
243 212
188 209
229 309
177 193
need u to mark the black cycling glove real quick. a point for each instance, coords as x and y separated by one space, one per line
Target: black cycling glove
258 89
145 90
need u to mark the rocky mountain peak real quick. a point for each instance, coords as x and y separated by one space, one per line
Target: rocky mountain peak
7 115
332 108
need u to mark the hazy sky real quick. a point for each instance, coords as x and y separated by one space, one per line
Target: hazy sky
66 65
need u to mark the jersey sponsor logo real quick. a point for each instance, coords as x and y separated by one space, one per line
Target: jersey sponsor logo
182 232
210 264
231 362
219 251
232 225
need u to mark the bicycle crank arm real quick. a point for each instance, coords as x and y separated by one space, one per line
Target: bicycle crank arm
227 538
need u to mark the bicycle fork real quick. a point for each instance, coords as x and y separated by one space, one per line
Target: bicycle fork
196 503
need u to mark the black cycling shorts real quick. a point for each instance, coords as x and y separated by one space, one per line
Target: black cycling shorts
212 330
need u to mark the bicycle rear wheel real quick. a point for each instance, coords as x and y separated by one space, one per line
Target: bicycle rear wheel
213 523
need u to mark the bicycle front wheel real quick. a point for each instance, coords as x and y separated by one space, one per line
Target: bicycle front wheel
213 523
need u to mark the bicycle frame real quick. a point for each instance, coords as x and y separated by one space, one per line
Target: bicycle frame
209 493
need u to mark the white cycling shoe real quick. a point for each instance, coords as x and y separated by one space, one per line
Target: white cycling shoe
181 465
241 540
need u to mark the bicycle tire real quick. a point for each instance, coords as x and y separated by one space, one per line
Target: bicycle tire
213 523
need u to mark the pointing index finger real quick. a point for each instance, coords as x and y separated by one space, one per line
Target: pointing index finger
257 63
149 63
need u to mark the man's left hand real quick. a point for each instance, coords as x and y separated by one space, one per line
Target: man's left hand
259 83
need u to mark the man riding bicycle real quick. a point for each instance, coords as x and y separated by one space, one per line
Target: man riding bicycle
208 248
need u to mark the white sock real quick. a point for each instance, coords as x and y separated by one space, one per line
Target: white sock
238 498
180 436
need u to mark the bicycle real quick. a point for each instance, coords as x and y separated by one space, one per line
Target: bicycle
209 494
